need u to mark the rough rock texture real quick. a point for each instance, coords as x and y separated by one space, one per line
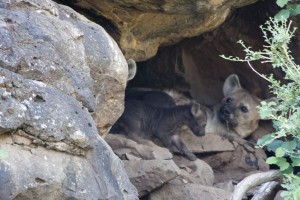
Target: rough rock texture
207 143
47 55
189 191
128 148
237 164
194 66
57 121
141 29
221 164
198 172
147 175
31 173
57 46
231 160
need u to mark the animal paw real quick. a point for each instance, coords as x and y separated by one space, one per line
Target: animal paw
191 156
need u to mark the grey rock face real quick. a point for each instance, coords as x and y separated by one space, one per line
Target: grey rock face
198 172
56 68
148 175
59 122
189 191
44 41
128 148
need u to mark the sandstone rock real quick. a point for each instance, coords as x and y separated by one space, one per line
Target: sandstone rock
198 172
148 175
189 191
195 67
140 25
206 143
236 165
126 147
227 186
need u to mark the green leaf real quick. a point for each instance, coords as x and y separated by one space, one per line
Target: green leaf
272 160
296 193
294 9
282 15
289 145
280 152
274 145
276 124
283 165
3 154
289 170
266 139
296 162
282 3
284 194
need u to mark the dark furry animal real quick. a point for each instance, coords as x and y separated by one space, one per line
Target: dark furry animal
153 97
142 120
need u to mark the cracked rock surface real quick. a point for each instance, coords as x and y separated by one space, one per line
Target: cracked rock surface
58 73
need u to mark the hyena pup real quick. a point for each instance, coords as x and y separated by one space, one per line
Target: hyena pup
237 114
143 120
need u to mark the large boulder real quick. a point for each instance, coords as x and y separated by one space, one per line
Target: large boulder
141 29
47 42
47 95
235 165
129 149
189 191
197 171
148 175
46 117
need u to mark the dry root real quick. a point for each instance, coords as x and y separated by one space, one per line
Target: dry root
252 181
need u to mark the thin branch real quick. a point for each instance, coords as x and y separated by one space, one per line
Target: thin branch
289 26
257 71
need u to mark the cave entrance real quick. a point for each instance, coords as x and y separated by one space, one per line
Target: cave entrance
194 66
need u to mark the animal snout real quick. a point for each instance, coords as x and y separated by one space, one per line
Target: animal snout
225 111
200 132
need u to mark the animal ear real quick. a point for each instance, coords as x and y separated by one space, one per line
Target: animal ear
274 106
131 69
232 83
196 109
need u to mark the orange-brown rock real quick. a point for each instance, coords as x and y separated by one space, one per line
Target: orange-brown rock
143 26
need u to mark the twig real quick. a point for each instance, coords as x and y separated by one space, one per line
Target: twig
257 71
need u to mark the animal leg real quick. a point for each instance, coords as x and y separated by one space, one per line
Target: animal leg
167 143
135 131
182 148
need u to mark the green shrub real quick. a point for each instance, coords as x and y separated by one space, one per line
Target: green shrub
285 140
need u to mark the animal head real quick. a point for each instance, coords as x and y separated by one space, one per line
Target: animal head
239 109
198 120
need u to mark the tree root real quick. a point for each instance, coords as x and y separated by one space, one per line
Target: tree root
252 181
265 191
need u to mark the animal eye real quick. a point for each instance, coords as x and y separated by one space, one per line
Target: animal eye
229 100
244 109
